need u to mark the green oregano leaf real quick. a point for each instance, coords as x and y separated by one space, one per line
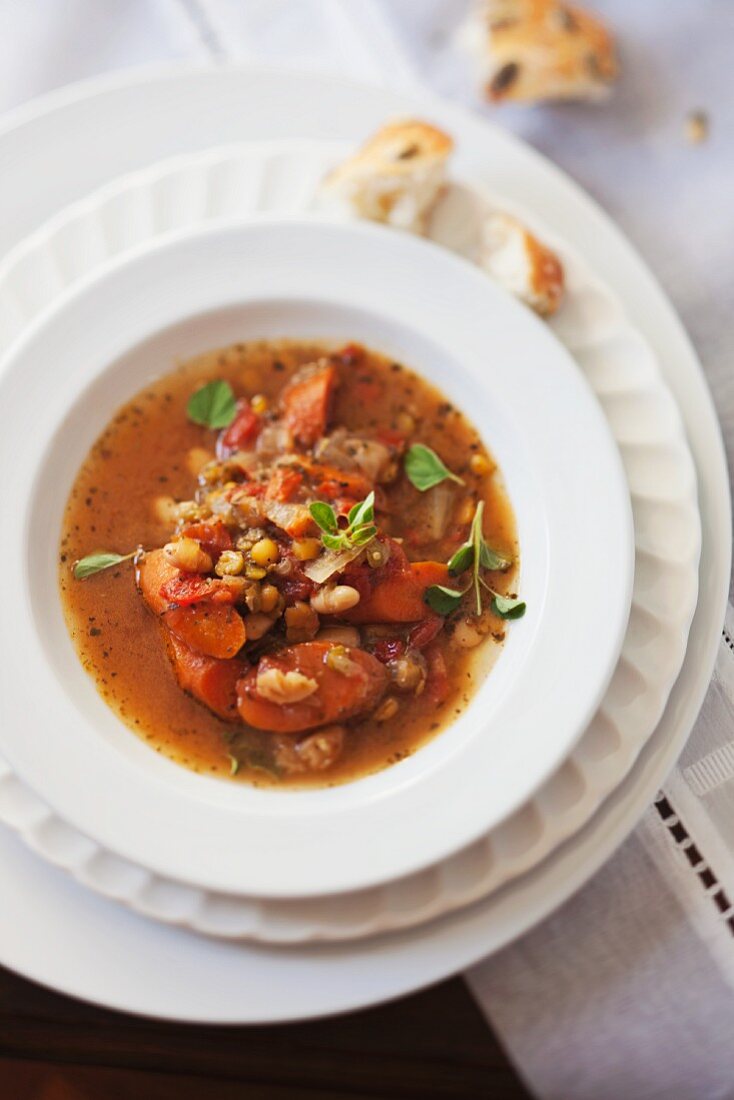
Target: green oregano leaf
462 559
442 600
490 559
95 563
508 607
364 512
213 405
323 514
425 469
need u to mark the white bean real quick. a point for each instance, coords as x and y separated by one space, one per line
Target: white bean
332 601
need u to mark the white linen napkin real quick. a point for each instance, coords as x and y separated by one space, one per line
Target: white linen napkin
629 988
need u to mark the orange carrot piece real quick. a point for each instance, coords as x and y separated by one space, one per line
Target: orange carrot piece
152 573
210 680
337 697
307 403
214 629
399 597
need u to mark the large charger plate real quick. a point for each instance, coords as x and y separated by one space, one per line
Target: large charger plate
252 178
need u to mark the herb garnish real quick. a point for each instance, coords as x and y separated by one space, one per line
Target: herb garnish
425 469
95 563
475 554
443 600
213 405
508 607
360 530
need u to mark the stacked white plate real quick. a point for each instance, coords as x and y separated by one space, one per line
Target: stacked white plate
66 265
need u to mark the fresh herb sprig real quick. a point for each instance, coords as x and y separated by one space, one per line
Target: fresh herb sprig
213 405
95 563
425 469
475 555
360 527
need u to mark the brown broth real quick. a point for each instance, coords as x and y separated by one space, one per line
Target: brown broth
142 454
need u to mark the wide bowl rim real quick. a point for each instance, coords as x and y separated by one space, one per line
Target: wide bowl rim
288 877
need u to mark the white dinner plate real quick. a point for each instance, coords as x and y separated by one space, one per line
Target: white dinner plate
56 932
419 304
284 177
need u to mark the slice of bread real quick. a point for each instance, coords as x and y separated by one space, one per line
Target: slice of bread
533 50
395 177
519 262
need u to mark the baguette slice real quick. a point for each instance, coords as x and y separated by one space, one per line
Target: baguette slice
395 177
533 50
519 262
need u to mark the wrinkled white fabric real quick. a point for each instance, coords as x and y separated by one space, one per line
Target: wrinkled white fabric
628 990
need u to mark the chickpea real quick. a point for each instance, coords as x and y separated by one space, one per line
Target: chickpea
387 709
332 601
257 625
306 549
230 564
255 572
197 459
265 552
480 464
187 554
269 597
301 622
165 510
466 634
405 423
409 672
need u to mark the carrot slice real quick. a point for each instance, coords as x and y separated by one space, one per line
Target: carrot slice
214 629
210 680
152 573
339 695
307 403
400 596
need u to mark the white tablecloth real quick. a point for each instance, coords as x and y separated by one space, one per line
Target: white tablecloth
628 990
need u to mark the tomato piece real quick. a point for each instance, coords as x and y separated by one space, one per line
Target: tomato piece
338 695
242 432
388 649
186 589
209 628
307 404
350 355
391 437
424 633
398 596
284 485
214 537
211 680
294 586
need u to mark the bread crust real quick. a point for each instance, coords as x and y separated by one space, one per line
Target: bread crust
396 176
517 260
534 50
